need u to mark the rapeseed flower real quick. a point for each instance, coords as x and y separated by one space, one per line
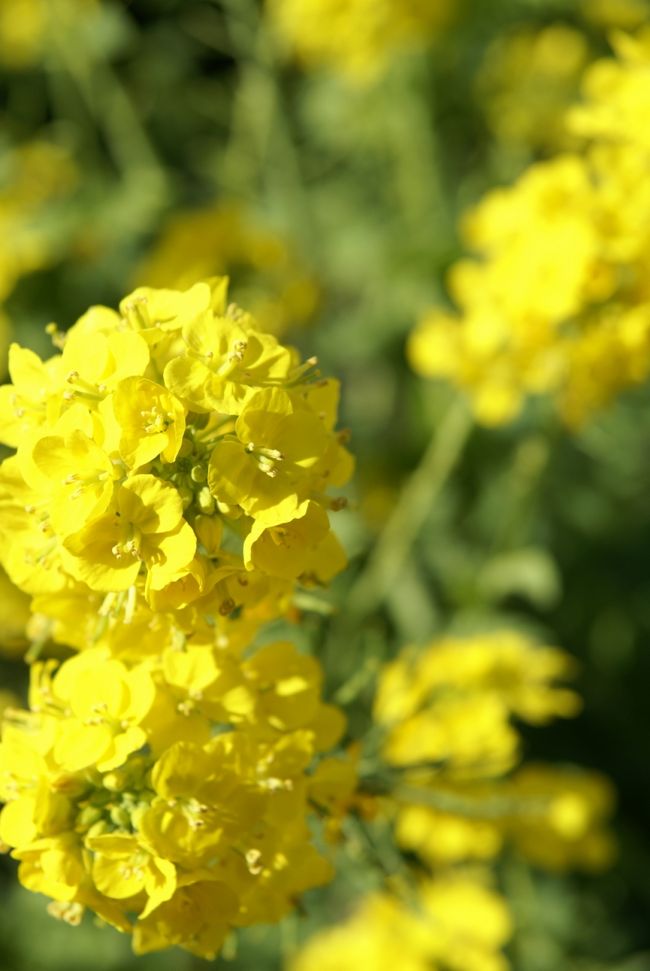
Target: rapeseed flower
458 794
556 300
171 470
170 797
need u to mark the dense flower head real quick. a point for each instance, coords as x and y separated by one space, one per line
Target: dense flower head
171 470
355 39
171 799
455 922
557 301
225 239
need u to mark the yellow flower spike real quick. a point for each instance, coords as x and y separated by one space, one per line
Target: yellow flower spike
453 922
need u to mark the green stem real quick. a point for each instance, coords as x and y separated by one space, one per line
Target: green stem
480 807
415 501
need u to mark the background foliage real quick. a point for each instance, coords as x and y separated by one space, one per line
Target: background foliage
156 107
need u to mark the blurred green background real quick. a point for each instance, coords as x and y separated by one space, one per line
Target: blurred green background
159 141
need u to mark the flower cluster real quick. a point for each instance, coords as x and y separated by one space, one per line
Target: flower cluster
171 798
557 302
355 39
453 923
444 715
447 714
171 469
224 239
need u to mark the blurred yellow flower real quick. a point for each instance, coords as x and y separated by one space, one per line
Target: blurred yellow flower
454 922
526 83
557 301
451 703
355 38
624 14
266 275
447 712
25 24
32 176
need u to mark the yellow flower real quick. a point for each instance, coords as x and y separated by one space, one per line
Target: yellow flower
223 239
25 24
151 420
170 797
146 526
304 547
568 828
452 702
453 922
356 39
36 174
176 459
527 81
449 742
556 299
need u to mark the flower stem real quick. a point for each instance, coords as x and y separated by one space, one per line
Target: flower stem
400 532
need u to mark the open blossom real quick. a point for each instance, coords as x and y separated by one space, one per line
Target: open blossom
172 799
556 301
172 460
